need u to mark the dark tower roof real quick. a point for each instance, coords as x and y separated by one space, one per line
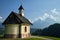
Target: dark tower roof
21 8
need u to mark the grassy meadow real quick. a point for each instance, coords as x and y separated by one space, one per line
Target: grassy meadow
23 39
53 38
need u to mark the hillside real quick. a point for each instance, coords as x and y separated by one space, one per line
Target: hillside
52 30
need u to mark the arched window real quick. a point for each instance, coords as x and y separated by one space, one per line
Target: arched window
25 29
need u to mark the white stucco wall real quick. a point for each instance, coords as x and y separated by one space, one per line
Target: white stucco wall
12 29
23 29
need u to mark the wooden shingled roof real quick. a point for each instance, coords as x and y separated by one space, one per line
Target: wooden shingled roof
15 18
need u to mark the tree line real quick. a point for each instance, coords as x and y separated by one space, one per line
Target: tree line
52 30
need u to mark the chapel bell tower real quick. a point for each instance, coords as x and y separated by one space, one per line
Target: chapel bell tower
21 10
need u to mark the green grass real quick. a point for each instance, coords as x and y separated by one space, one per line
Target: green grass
22 39
54 38
19 38
33 39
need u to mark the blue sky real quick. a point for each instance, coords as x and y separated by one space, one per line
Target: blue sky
33 9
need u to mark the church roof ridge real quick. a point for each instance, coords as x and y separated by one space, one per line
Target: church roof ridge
15 18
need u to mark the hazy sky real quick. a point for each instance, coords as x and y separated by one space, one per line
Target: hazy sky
33 9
